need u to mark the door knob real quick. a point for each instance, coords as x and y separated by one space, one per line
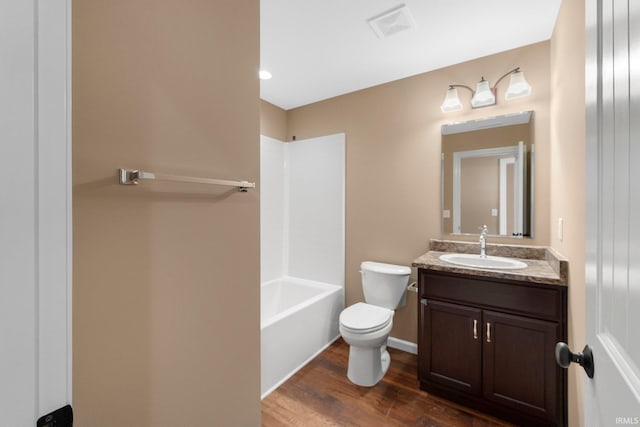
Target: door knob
564 357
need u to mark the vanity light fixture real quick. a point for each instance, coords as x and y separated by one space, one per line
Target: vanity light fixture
485 95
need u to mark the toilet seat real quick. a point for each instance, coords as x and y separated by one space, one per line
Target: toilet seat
362 318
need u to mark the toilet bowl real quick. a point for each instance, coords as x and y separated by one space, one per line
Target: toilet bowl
365 326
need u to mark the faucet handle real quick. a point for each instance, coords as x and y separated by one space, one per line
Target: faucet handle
483 229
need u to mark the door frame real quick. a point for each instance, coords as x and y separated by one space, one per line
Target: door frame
35 210
458 156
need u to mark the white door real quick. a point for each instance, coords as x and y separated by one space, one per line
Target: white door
507 175
518 227
612 397
35 210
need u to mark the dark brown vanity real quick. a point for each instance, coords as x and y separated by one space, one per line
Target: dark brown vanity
486 338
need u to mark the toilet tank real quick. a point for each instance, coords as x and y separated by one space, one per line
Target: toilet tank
385 285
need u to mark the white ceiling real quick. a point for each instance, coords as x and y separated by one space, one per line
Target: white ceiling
318 49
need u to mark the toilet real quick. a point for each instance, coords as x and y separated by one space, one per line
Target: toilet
365 326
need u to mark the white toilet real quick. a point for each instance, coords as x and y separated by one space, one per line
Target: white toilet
366 326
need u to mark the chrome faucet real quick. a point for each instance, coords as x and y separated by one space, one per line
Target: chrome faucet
483 241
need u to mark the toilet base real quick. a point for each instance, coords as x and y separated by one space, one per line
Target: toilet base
367 366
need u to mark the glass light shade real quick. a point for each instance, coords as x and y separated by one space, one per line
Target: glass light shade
451 101
518 87
484 95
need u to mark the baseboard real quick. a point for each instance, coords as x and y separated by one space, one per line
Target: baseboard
403 345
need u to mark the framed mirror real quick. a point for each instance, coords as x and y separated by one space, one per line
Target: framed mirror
487 176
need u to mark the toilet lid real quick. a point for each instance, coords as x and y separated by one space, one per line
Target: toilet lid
362 317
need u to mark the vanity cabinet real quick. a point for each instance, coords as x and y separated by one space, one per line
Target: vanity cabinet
489 344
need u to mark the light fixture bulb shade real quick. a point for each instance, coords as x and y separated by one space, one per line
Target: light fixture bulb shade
451 101
518 87
484 95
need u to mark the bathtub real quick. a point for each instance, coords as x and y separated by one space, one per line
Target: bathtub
298 319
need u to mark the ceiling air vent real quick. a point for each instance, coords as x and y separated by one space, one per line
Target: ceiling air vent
392 21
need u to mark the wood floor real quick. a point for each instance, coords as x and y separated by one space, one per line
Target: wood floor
321 395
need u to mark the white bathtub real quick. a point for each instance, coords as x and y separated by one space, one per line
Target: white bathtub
299 319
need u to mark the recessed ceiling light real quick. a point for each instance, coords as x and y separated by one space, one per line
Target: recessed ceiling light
264 75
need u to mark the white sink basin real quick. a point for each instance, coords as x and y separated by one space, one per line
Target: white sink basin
492 262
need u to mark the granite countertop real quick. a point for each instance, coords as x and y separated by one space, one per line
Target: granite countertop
544 265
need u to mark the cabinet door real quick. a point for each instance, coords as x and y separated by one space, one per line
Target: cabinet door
451 346
519 367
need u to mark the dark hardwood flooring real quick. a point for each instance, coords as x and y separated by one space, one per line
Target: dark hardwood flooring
321 395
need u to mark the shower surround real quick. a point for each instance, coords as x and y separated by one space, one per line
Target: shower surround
302 217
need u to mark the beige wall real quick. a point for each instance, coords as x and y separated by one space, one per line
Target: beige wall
273 121
393 159
568 174
166 296
475 205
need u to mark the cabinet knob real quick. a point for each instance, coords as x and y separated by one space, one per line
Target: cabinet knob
564 357
423 301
